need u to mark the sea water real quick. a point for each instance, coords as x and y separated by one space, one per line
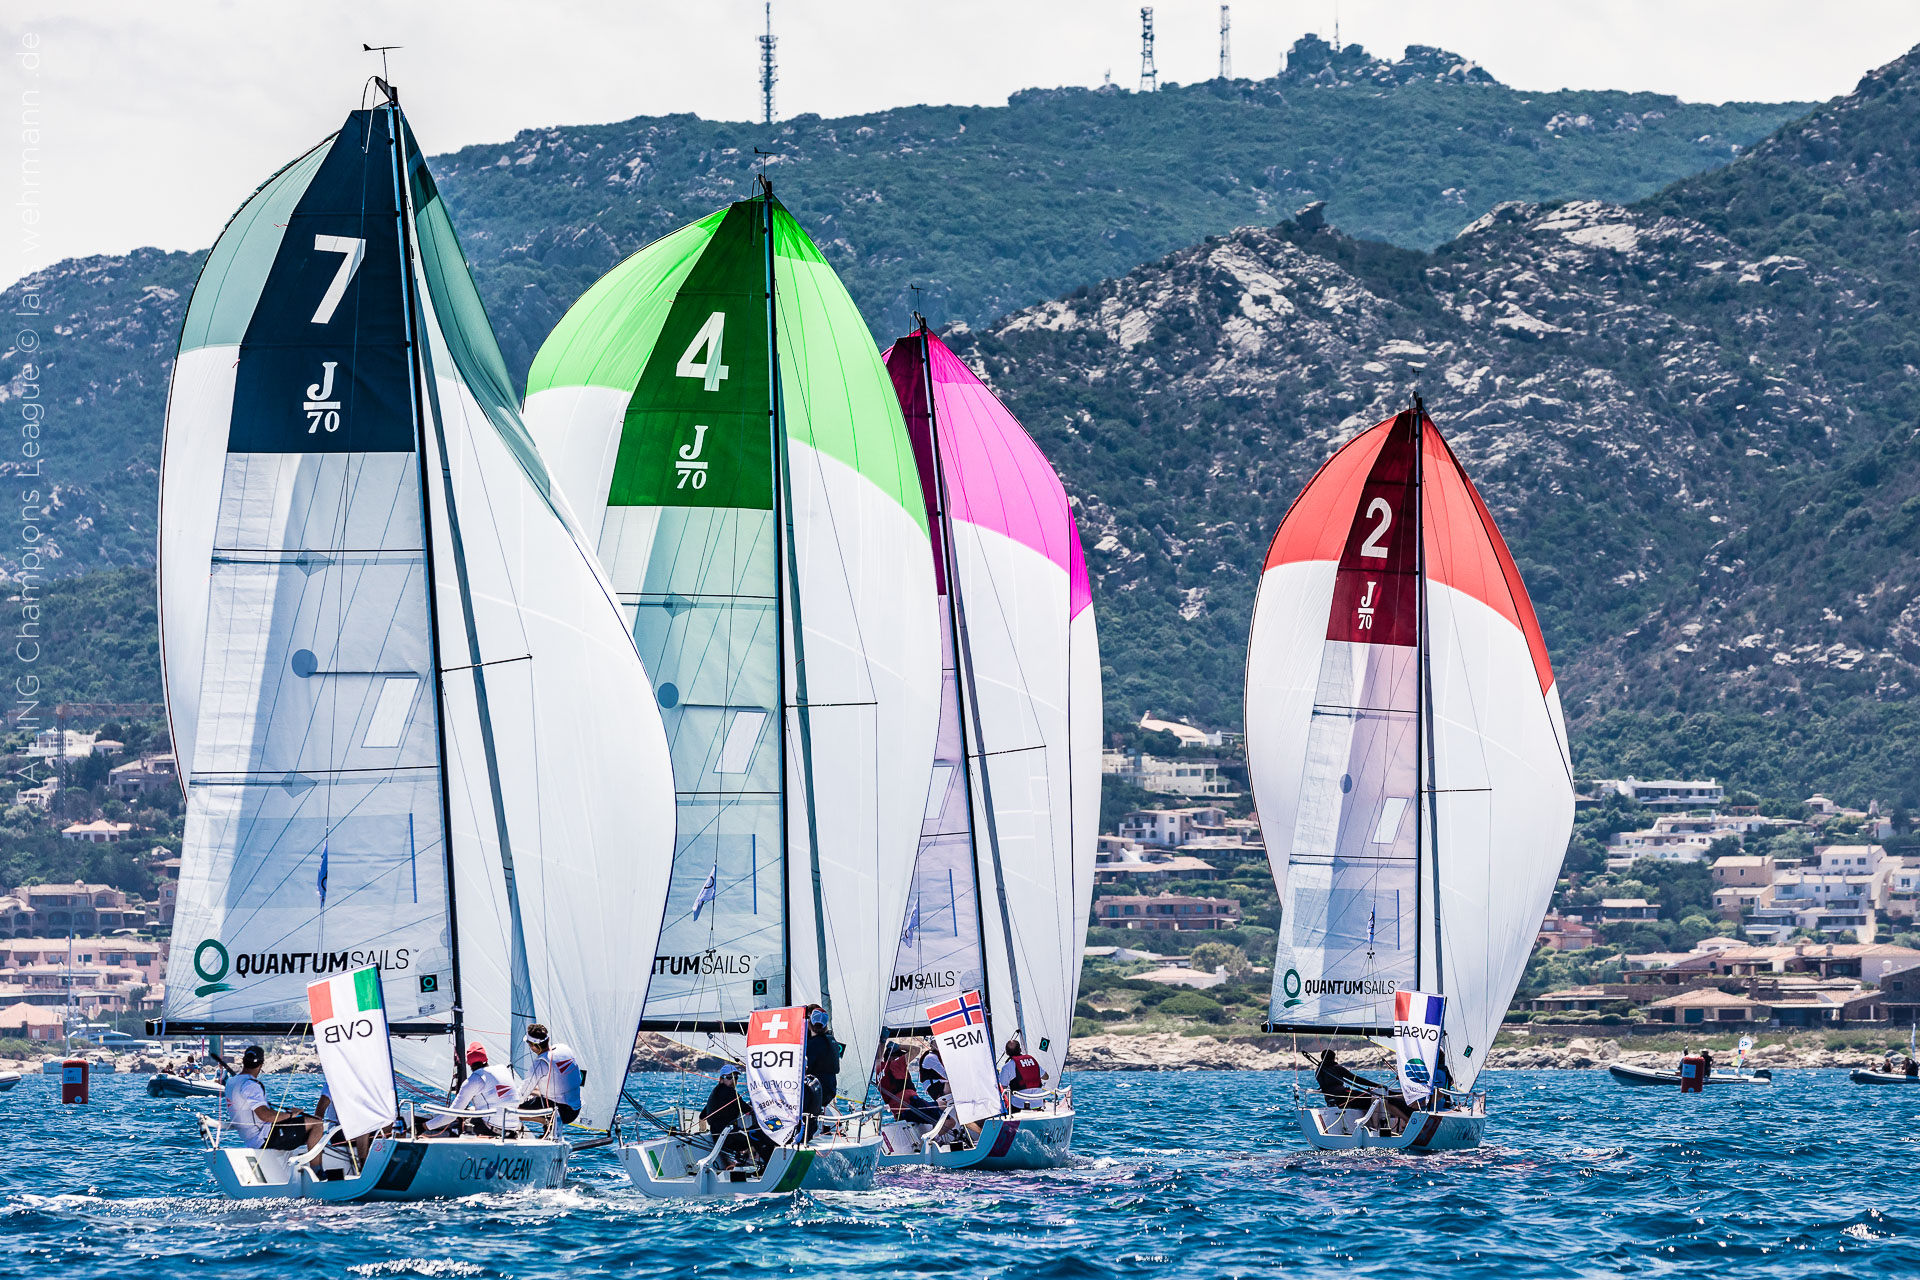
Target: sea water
1187 1174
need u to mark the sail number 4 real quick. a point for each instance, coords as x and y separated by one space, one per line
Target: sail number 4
700 360
709 370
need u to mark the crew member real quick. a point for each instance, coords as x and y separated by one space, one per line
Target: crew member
933 1074
1020 1075
486 1089
1350 1091
1910 1068
553 1082
725 1110
261 1126
1442 1082
897 1091
822 1068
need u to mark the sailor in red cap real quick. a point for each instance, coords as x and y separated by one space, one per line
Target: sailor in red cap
486 1089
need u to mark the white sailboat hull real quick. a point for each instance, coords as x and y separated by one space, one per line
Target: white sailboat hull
1023 1140
1335 1129
398 1169
674 1168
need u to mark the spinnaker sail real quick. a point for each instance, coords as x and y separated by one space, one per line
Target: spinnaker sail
414 731
1004 876
716 411
1406 747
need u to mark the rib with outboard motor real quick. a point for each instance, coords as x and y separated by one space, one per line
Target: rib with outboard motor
716 410
414 731
1409 759
1003 877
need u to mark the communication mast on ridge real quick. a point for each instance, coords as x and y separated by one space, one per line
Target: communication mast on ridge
1149 78
767 73
1226 49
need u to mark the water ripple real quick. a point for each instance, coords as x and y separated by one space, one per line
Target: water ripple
1175 1175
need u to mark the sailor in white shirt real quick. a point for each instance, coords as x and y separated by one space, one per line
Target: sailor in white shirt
260 1125
555 1077
486 1089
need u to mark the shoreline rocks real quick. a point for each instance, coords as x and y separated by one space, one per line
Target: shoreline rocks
1165 1051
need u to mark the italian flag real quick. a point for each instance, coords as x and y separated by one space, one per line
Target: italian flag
350 993
350 1031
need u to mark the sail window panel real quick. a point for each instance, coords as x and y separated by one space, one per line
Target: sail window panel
743 736
312 508
937 790
1392 810
296 659
389 720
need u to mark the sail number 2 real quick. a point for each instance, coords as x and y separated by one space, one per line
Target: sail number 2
1373 548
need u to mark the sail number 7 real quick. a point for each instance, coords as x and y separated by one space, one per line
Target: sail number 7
351 250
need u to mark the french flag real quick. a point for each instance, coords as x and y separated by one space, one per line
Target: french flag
1417 1006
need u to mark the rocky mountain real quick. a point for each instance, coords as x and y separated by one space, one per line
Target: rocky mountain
1691 414
1693 417
987 208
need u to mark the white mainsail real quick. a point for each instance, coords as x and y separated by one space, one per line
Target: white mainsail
448 784
1406 747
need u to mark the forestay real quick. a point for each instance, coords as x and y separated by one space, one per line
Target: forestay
1406 746
1011 835
767 537
371 763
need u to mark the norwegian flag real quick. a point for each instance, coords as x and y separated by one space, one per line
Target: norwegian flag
964 1010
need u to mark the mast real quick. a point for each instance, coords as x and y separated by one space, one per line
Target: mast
414 383
963 660
783 531
1423 708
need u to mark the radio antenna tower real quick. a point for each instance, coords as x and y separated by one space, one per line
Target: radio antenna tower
1226 48
767 73
1149 78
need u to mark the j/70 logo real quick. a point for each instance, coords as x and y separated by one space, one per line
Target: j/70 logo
321 408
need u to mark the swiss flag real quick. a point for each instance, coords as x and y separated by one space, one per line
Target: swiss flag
777 1027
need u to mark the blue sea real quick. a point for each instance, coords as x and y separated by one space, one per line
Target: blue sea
1191 1174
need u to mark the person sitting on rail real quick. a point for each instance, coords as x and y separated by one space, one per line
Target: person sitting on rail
553 1082
486 1088
897 1091
727 1110
1022 1078
261 1126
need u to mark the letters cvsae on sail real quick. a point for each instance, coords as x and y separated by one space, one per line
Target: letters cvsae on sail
776 1052
1417 1019
349 1016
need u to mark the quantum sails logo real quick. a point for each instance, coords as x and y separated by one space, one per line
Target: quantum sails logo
1295 988
704 964
212 963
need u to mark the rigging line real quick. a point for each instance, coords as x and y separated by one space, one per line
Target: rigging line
783 478
475 666
970 700
418 385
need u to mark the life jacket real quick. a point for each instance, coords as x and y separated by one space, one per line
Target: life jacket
1026 1071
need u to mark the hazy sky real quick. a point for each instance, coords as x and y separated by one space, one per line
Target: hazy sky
159 118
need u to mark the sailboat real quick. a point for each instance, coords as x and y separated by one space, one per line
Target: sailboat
716 410
1003 878
414 731
1409 759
